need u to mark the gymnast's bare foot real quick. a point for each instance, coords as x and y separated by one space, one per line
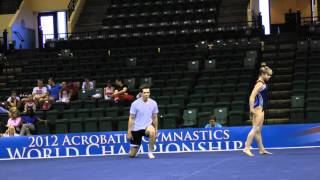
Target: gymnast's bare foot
265 152
247 152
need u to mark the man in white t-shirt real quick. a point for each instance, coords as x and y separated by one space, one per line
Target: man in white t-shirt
40 93
143 121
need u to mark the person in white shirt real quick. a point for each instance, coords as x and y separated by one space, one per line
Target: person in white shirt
87 85
40 93
143 121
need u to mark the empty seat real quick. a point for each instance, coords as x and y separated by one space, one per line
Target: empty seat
236 118
83 113
62 126
112 112
168 121
89 104
297 115
163 100
189 117
221 115
122 123
173 109
69 113
196 98
76 125
97 112
52 115
105 124
91 124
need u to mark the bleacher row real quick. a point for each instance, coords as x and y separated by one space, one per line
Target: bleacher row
136 23
138 16
9 6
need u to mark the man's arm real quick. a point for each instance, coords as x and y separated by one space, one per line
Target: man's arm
131 121
42 121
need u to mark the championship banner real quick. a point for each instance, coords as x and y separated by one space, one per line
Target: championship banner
168 141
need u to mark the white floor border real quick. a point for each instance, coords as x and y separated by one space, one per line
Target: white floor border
198 151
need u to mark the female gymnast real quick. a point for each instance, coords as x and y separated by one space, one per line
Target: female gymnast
257 103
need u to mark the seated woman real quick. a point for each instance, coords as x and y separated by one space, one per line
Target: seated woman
108 91
121 92
9 132
65 93
14 122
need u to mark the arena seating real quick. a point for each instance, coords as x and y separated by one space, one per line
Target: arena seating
196 66
181 77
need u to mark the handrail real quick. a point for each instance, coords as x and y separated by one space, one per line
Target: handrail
310 20
71 7
19 36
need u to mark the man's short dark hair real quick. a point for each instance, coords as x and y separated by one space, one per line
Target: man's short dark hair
52 79
213 117
144 86
120 80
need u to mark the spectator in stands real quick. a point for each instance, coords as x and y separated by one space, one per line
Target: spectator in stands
65 93
108 91
213 123
87 85
28 122
121 92
74 88
13 100
30 103
3 109
53 90
9 132
14 122
40 93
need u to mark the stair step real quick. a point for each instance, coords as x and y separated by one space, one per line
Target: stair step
272 121
3 85
95 3
286 54
288 47
283 70
281 86
277 113
280 95
279 103
278 121
235 3
269 47
94 10
4 78
284 63
227 19
281 78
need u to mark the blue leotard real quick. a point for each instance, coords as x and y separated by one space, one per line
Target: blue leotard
261 98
